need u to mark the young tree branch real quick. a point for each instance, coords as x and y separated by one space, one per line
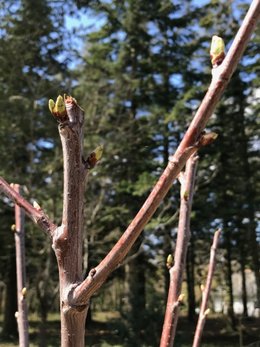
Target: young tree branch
35 213
221 77
205 291
68 238
22 314
176 271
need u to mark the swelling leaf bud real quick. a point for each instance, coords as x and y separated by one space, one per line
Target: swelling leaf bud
169 261
217 50
94 157
58 108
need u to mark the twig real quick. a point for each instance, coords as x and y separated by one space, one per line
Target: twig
35 213
176 271
22 314
205 291
222 75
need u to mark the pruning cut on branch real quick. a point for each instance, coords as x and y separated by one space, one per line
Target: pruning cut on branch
67 238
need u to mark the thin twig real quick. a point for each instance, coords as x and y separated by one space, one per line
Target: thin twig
177 270
205 291
222 75
22 314
35 213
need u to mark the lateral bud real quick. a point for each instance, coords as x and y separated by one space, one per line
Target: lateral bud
207 139
217 51
202 288
185 195
36 205
24 292
13 227
180 298
207 311
94 157
169 261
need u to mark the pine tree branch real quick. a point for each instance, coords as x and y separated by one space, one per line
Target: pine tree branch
176 271
205 291
221 77
35 213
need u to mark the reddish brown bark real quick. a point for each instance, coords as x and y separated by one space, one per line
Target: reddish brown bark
222 75
36 214
67 238
176 272
22 315
206 291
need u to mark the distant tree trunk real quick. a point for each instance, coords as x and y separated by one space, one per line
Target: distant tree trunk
135 291
10 324
190 279
244 293
231 313
242 243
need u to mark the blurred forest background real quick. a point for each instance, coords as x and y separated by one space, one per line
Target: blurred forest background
139 69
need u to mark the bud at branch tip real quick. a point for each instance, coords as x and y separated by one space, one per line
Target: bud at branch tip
217 50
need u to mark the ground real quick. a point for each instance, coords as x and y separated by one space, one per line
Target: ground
107 330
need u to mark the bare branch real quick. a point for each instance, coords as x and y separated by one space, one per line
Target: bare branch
182 242
205 291
36 214
67 240
221 77
22 314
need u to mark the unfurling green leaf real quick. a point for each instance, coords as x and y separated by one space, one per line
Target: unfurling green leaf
58 108
217 50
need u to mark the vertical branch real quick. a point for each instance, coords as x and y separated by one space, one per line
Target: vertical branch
205 291
67 239
22 315
176 271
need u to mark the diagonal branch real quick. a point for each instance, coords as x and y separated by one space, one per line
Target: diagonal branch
221 77
35 213
205 291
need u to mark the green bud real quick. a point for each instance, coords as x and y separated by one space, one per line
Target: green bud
51 105
98 151
58 108
169 261
94 157
217 50
186 195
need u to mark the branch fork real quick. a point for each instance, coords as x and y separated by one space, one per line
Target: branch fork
67 238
